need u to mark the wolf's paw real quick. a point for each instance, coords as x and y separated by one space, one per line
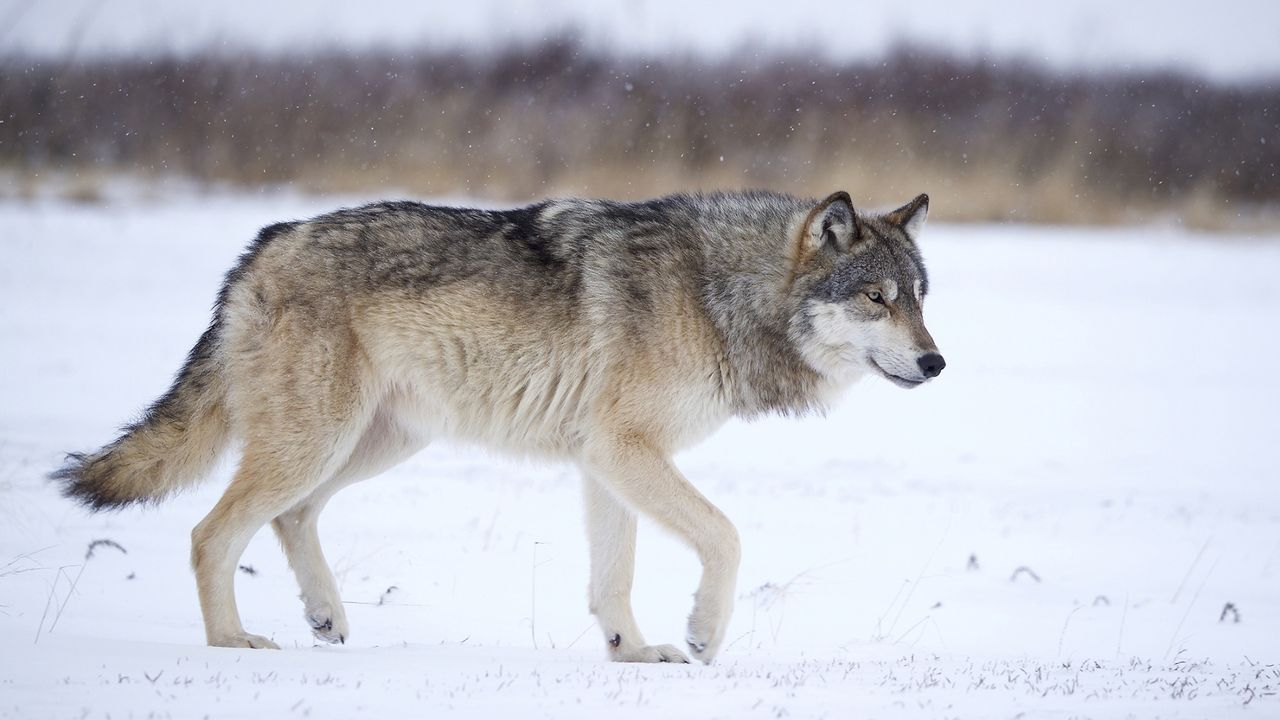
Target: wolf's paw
244 640
706 633
650 654
327 625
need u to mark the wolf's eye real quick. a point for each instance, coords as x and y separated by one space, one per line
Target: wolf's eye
875 297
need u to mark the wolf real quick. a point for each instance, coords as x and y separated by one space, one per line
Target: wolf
607 334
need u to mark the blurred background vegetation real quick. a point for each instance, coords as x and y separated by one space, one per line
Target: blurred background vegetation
988 140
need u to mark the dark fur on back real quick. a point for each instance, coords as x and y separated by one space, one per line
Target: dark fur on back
727 249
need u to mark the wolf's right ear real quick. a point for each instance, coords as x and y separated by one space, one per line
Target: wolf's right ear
832 224
911 217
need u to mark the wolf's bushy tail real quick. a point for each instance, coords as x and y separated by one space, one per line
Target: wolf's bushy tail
175 444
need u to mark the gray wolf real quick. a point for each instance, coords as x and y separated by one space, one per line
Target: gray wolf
608 334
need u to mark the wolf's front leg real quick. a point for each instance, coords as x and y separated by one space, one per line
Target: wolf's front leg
611 532
631 470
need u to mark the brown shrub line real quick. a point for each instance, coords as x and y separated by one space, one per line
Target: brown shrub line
987 140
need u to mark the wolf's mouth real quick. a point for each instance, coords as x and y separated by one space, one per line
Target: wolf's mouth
895 379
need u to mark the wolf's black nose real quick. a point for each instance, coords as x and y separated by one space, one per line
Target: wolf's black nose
931 364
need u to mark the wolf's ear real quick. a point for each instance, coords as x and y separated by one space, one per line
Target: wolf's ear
911 217
832 223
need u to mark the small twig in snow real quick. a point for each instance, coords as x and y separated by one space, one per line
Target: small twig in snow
1191 569
1123 616
1062 636
1229 611
533 596
53 591
1021 570
24 556
1174 637
103 543
584 632
916 584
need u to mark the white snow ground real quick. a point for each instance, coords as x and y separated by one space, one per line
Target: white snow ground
1107 420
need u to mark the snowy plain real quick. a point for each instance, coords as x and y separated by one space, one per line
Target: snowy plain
1080 518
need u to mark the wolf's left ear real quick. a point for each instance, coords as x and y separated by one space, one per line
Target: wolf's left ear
911 217
832 223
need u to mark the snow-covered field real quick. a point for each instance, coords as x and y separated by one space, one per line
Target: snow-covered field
1081 518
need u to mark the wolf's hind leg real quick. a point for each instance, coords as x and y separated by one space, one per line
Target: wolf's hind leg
271 479
643 478
384 444
611 532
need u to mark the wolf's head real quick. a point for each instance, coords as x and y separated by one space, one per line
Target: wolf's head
861 285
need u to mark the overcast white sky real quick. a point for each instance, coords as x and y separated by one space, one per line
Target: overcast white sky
1226 39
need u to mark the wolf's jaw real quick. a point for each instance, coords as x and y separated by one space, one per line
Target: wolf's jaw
898 380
